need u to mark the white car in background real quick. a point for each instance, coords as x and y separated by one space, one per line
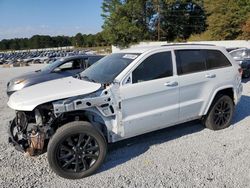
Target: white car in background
124 95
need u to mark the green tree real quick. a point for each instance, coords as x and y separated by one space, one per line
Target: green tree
226 17
124 21
127 22
78 40
246 30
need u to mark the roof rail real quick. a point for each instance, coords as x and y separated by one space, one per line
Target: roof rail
187 44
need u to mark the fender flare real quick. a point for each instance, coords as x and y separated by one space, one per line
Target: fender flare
214 95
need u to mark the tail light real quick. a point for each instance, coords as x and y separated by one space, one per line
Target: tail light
240 71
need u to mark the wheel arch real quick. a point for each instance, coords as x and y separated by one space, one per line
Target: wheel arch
226 90
93 116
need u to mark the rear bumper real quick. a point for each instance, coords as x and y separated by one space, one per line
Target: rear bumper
237 93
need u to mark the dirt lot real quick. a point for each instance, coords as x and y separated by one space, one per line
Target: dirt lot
186 155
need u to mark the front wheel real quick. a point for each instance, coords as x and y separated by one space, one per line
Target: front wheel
220 114
76 150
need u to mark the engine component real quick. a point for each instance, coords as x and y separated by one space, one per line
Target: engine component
36 142
38 117
21 121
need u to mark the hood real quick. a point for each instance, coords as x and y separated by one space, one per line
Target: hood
29 98
29 75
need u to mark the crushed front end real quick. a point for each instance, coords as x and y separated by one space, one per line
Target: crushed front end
29 131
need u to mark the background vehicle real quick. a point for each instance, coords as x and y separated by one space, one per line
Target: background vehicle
64 67
245 65
242 56
121 96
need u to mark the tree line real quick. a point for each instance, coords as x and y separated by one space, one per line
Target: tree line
45 41
130 21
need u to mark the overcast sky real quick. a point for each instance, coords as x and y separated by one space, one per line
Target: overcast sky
24 18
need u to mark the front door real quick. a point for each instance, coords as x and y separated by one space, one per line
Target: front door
150 101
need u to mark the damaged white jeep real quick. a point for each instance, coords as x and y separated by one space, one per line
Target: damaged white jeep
123 95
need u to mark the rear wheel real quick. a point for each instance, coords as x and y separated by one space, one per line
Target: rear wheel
76 150
220 114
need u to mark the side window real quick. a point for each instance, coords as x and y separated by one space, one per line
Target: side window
76 64
66 66
190 61
71 65
154 67
216 59
83 63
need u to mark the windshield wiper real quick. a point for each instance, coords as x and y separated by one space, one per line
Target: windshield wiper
87 78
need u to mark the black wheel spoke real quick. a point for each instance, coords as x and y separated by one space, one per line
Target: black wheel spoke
77 169
80 140
66 148
217 120
66 156
68 163
94 148
224 119
85 164
87 142
92 156
78 153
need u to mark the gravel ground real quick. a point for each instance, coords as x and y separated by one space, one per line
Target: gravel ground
186 155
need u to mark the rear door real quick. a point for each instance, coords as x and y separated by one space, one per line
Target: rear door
200 72
193 83
220 73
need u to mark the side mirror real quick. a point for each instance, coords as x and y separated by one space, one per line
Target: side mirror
127 80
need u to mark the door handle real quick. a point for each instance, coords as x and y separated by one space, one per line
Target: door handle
210 75
171 84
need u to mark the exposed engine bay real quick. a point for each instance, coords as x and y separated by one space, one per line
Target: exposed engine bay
30 132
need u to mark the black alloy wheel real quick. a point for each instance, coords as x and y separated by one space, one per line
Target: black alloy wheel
78 153
220 114
76 150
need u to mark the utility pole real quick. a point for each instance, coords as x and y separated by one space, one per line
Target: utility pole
159 20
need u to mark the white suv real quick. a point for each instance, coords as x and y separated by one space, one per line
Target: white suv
123 95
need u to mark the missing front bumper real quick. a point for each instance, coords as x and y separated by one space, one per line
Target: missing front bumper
19 144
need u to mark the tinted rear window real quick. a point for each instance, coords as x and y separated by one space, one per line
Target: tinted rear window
216 59
190 61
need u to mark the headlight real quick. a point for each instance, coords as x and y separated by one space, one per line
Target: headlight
18 81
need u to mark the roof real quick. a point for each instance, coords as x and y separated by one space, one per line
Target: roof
168 47
79 56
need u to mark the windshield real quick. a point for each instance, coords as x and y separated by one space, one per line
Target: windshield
108 68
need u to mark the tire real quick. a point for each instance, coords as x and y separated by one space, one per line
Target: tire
220 114
76 150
